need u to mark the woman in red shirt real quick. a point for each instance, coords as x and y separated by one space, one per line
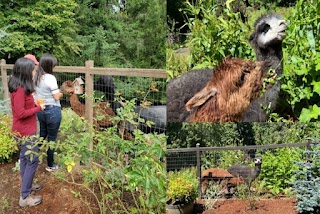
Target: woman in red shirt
24 125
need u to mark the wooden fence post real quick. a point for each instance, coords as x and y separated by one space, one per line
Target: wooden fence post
89 95
199 169
4 79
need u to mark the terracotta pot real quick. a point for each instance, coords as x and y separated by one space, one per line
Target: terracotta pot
180 208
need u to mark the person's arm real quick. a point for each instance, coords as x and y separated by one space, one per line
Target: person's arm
57 96
53 85
18 104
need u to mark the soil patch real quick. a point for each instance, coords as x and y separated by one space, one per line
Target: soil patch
262 206
56 194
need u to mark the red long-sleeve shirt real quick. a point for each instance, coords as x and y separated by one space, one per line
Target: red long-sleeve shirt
23 112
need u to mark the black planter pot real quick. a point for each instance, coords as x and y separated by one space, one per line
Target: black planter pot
180 208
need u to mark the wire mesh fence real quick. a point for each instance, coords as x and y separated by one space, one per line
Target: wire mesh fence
272 167
147 87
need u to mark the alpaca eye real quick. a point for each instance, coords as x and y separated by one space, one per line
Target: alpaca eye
265 28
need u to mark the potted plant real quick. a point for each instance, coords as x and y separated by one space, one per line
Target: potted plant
181 192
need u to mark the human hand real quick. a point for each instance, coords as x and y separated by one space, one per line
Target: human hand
42 106
39 101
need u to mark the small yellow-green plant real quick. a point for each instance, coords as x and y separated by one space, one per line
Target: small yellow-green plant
7 143
181 186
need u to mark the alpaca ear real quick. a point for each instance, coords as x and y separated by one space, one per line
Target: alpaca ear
201 97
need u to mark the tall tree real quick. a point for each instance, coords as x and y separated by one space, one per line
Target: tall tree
38 27
131 37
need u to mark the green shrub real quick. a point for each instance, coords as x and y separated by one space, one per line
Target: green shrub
141 88
113 167
8 146
278 168
213 37
177 63
301 81
182 186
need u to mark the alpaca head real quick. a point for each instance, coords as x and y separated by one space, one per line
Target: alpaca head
269 30
258 160
67 87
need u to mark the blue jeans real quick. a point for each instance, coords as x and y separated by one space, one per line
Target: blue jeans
50 120
28 164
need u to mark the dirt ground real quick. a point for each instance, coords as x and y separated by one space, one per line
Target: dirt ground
263 206
56 194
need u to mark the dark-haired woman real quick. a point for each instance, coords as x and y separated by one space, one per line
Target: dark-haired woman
49 119
24 125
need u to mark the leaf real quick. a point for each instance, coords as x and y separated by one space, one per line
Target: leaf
301 71
316 87
307 114
28 152
311 41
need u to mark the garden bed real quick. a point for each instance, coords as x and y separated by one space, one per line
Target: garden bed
262 206
57 195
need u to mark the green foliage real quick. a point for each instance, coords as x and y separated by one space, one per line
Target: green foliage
147 173
113 167
8 146
213 37
182 186
307 183
5 106
207 134
132 37
141 88
229 158
278 167
177 63
38 27
302 59
224 134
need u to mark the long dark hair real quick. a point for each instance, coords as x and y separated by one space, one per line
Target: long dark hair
46 65
22 76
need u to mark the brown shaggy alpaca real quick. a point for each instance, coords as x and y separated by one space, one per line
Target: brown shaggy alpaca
215 175
234 84
101 111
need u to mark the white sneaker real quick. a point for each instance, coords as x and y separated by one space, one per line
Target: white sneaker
52 168
30 200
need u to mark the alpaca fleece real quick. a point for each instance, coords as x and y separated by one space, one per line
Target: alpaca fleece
101 109
228 93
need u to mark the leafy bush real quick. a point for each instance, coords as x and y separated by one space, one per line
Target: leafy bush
213 37
307 183
112 167
8 145
301 80
182 186
154 90
278 167
177 63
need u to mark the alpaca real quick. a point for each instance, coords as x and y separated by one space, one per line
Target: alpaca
99 110
216 175
156 114
106 85
267 42
246 172
181 89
